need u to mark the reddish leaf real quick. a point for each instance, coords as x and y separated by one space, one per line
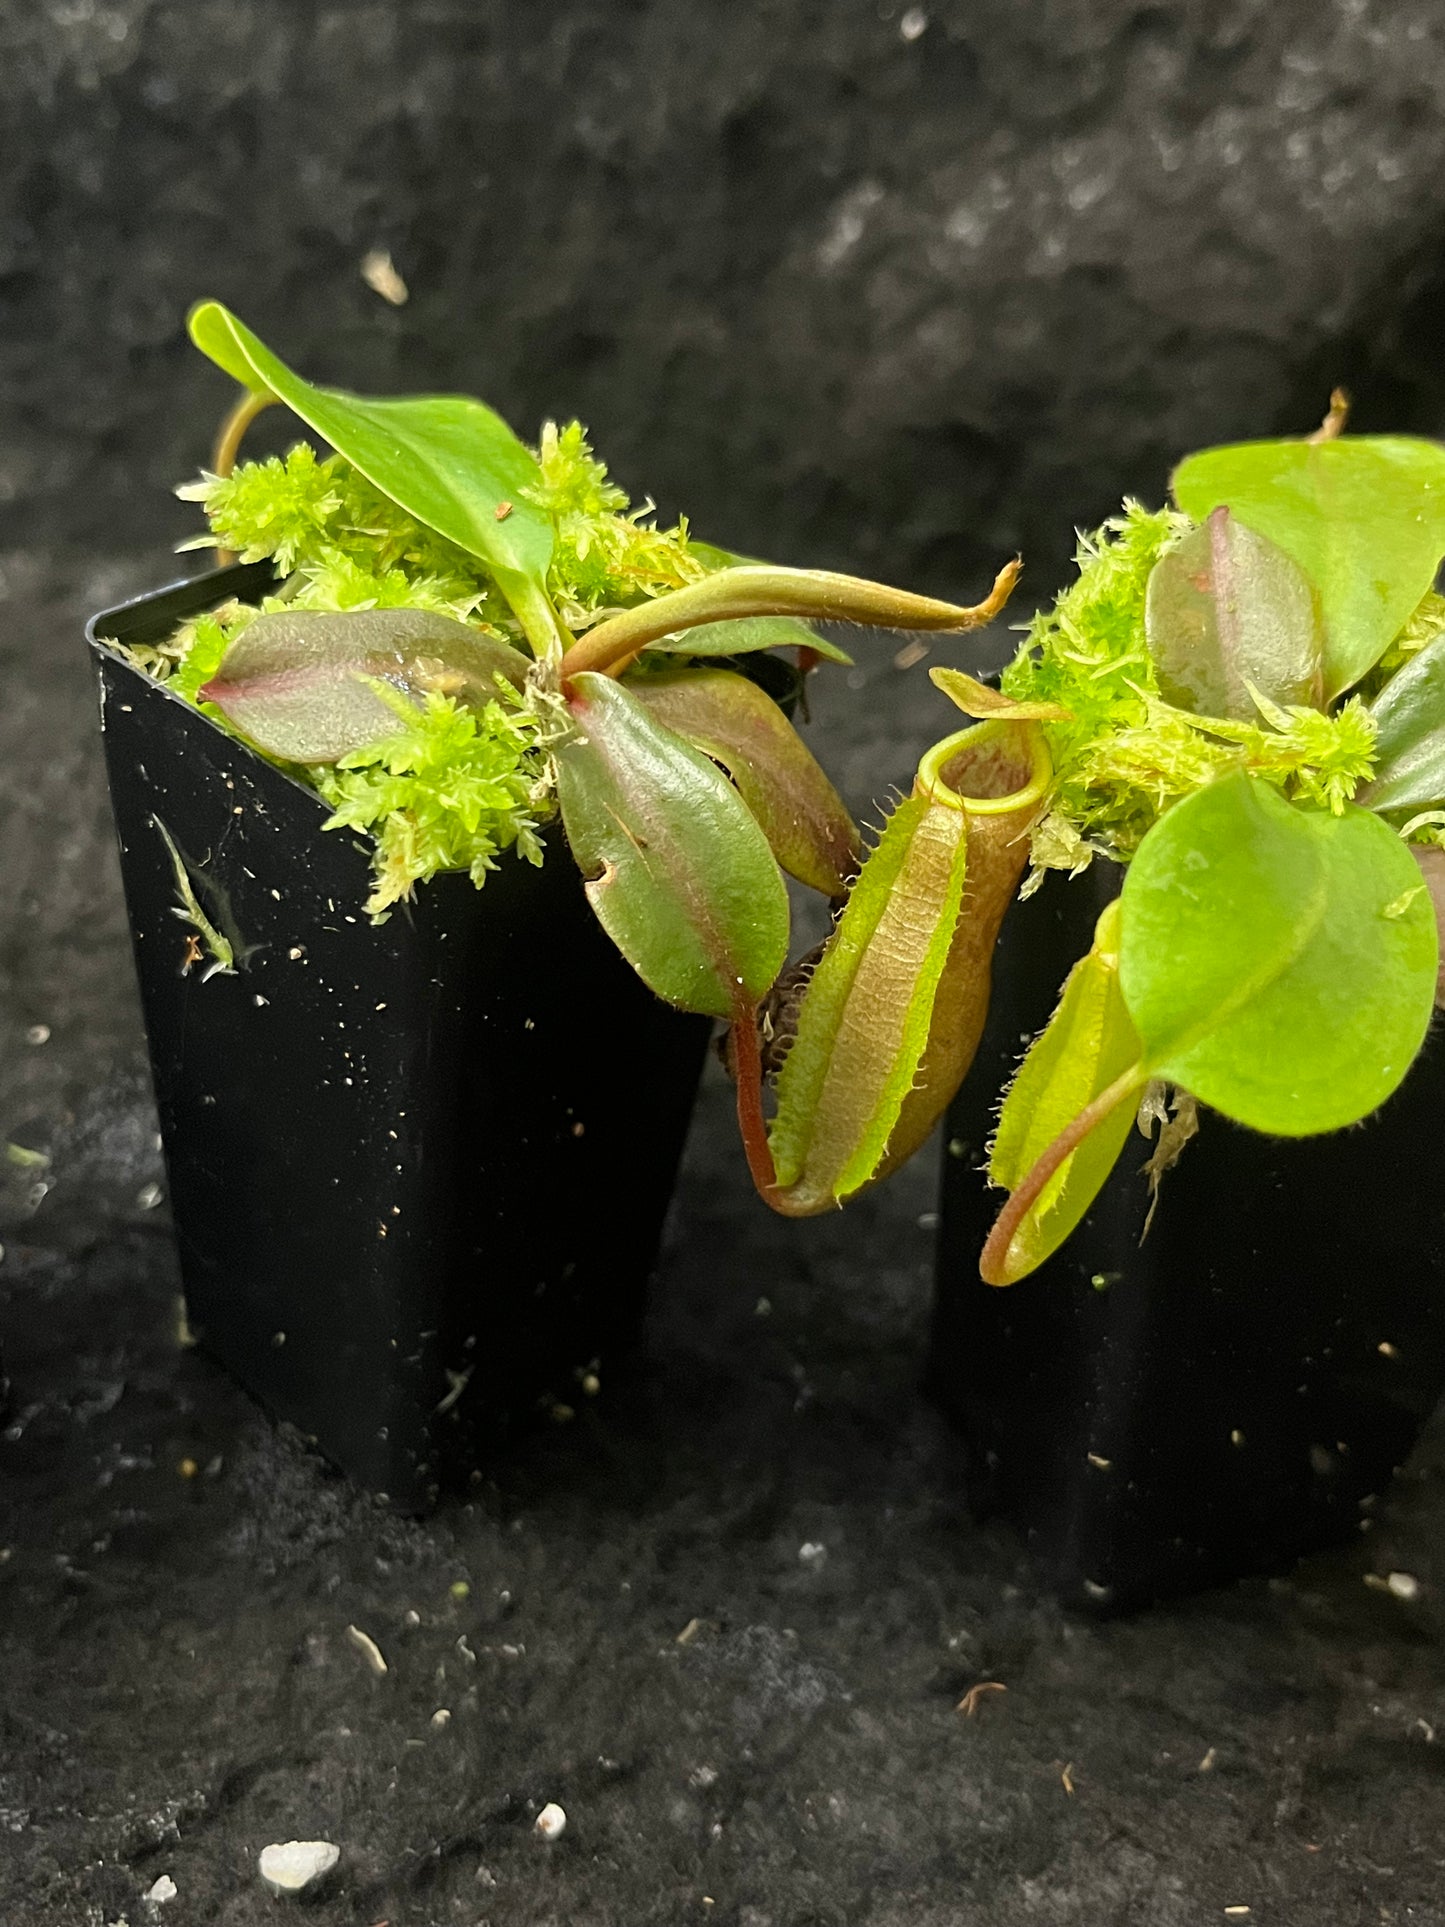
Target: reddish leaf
1227 610
303 683
677 869
738 725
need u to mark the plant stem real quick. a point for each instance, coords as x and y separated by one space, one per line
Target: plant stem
748 1070
547 635
762 591
233 430
228 447
993 1260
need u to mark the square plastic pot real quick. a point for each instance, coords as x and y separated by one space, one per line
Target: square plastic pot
418 1171
1236 1389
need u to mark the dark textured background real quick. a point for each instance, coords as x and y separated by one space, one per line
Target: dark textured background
906 285
895 288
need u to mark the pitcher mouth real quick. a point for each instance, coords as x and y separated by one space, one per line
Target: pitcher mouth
990 769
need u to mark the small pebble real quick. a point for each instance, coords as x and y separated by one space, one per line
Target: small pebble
368 1648
441 1717
551 1822
164 1889
378 271
812 1554
149 1196
1404 1585
292 1866
38 1034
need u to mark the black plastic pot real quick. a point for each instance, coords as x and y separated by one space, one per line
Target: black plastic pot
1234 1391
418 1171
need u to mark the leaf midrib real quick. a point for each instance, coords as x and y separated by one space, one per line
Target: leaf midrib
1250 987
698 914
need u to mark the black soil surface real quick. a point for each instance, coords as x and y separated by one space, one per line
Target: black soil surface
724 1618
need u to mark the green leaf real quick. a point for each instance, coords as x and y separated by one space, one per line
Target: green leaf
1088 1045
1273 959
733 721
1277 963
446 459
746 635
1409 715
864 1022
303 683
677 869
1362 516
712 557
1226 611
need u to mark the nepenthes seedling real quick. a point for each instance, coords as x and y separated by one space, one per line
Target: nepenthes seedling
1240 702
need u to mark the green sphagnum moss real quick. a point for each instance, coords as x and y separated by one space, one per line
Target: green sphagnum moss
453 788
1125 754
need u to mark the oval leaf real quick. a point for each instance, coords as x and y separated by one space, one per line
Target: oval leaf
1226 610
747 635
1362 516
677 869
446 459
733 721
1089 1043
1409 715
302 683
1278 963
